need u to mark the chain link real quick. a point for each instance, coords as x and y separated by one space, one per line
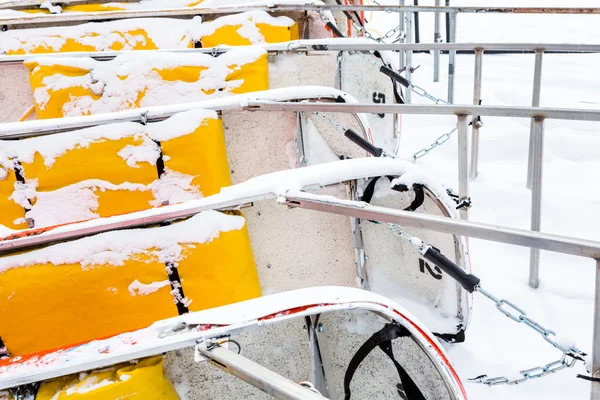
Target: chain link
438 142
418 90
533 373
518 315
570 354
331 121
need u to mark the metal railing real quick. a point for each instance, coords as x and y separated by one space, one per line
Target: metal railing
518 237
190 12
532 239
538 115
20 4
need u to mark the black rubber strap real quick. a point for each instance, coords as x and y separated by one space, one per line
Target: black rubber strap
418 188
160 162
452 337
177 288
588 378
337 33
172 271
396 77
363 143
20 177
468 281
397 94
3 350
383 339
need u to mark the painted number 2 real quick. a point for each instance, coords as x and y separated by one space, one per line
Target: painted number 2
379 98
436 272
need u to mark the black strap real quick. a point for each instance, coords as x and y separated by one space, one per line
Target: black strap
395 78
3 350
177 287
160 162
588 378
407 388
20 177
418 188
458 337
172 271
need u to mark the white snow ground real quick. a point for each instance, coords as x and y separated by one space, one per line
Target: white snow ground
571 204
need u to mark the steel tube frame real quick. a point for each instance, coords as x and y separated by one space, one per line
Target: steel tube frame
518 237
437 38
463 164
477 230
451 59
15 130
332 45
258 376
535 102
402 33
44 127
409 53
18 4
595 392
183 12
536 198
422 109
474 123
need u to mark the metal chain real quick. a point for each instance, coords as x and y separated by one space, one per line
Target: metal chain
569 358
438 142
416 89
532 373
330 121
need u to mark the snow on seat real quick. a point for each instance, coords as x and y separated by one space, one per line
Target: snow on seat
121 281
151 34
135 5
83 86
109 170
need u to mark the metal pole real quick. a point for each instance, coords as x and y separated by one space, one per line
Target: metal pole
463 163
447 22
417 27
257 375
595 395
451 59
319 374
537 86
437 38
409 53
536 198
476 124
402 33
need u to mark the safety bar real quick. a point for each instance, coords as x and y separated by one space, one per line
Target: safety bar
301 46
182 12
22 130
495 233
19 4
256 375
573 114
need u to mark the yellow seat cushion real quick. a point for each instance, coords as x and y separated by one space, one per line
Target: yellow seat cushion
116 6
119 281
144 380
82 86
247 29
151 33
110 170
